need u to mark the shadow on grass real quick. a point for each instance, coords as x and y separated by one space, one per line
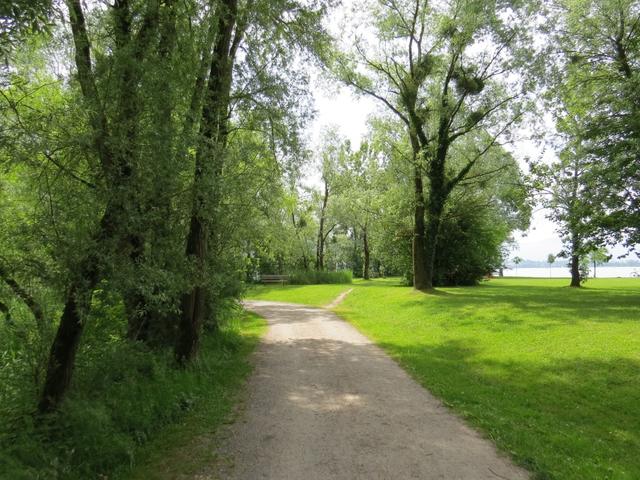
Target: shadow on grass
552 304
572 418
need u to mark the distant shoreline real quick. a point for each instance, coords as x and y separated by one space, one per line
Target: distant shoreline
604 271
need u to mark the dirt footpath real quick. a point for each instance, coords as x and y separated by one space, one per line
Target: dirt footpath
325 403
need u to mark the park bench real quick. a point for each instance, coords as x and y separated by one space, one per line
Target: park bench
282 279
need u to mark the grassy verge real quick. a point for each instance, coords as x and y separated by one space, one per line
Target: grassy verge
188 447
313 295
130 411
549 373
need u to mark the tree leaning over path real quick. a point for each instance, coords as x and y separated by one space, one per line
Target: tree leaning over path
241 25
208 168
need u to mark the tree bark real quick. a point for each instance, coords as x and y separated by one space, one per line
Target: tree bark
575 271
321 234
420 278
209 164
365 266
65 344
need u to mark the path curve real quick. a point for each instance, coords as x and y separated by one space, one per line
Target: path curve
325 403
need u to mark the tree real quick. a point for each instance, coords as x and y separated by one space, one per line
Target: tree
112 145
479 217
213 135
565 186
598 257
551 258
358 204
334 150
597 79
427 71
516 261
256 24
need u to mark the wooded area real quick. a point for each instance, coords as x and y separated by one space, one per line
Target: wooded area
152 156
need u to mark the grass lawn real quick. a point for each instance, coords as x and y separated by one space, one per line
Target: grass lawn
312 295
551 374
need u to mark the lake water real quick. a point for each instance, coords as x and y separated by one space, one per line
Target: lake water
561 272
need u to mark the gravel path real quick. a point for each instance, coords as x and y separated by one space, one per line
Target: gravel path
325 403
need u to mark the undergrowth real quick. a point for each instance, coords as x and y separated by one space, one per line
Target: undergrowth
313 277
123 395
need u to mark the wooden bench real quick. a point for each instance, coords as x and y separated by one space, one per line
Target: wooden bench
282 279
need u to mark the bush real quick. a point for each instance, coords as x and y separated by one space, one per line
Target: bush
469 244
124 394
314 277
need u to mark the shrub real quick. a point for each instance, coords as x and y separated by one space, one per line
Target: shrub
314 277
123 395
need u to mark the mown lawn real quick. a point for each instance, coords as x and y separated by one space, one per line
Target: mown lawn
550 373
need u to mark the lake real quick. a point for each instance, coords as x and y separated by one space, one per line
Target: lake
560 272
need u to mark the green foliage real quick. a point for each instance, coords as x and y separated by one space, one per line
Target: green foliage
20 18
316 277
470 247
113 412
595 80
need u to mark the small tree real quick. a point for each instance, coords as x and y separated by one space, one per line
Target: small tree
551 258
598 256
517 261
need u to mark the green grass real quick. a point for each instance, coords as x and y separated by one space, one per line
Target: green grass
188 447
313 295
550 373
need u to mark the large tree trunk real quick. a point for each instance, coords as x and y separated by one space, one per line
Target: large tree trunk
420 277
367 257
209 164
65 345
575 271
193 303
437 199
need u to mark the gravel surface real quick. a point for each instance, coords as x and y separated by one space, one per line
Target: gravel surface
325 403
